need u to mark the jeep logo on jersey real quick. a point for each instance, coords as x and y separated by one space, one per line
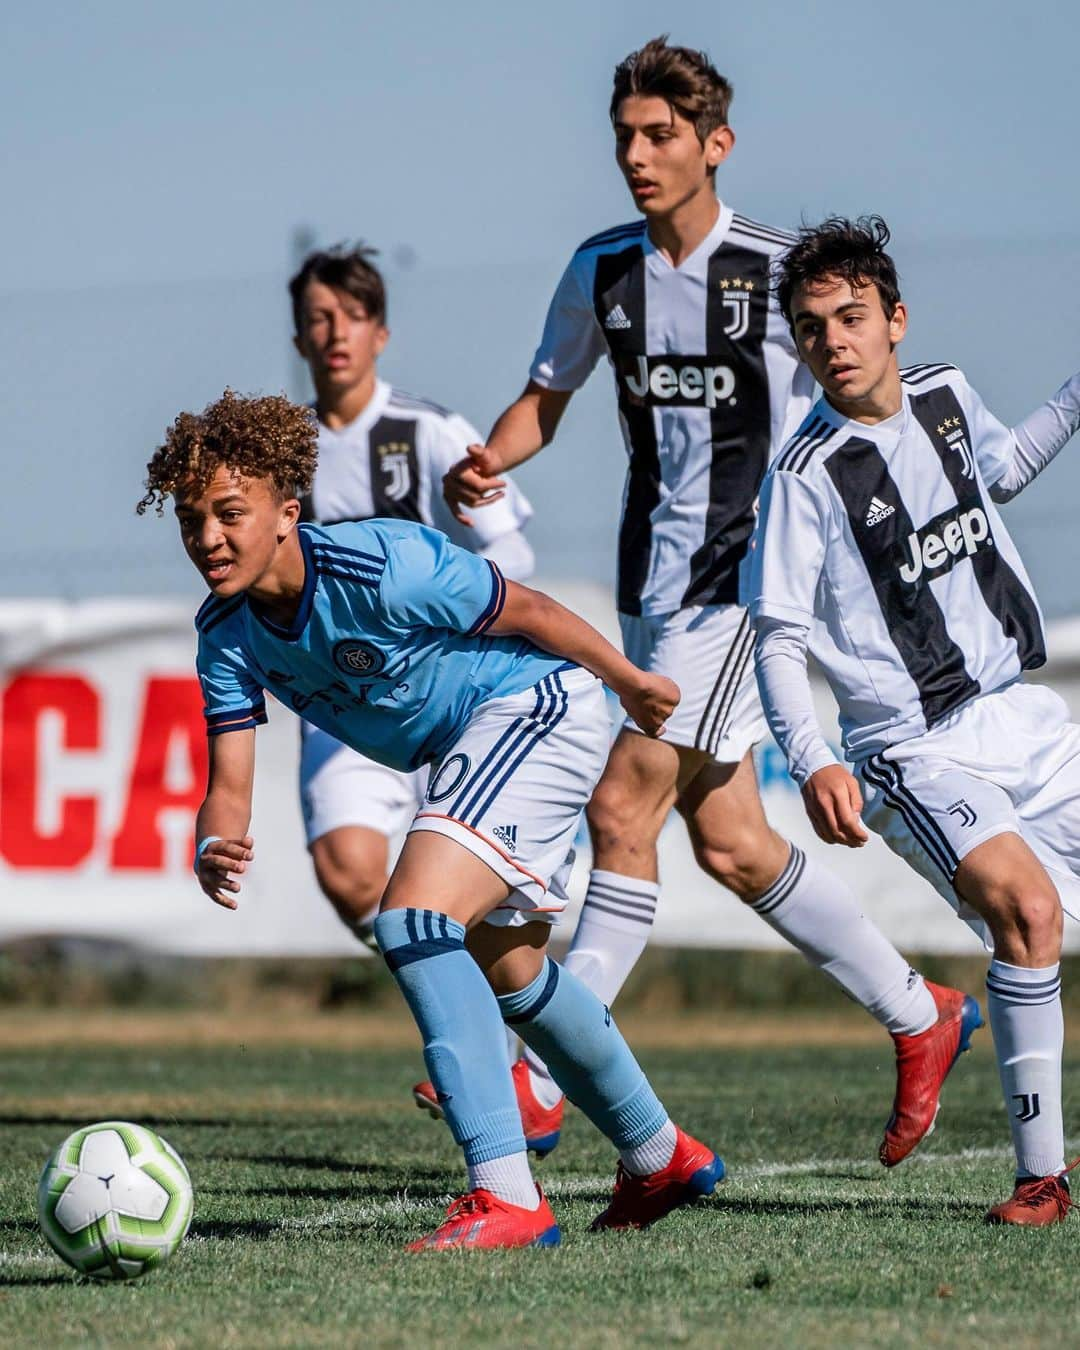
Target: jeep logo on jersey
678 381
358 658
394 462
939 548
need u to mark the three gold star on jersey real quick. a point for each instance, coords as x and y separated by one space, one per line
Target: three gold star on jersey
735 284
947 425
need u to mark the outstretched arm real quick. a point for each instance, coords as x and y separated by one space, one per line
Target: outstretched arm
831 795
648 698
524 428
1038 439
225 815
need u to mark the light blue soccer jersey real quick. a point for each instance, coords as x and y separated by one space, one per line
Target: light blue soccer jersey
387 652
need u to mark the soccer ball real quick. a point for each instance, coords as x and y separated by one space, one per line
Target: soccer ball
114 1200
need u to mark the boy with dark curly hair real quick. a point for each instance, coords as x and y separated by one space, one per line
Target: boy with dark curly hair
414 651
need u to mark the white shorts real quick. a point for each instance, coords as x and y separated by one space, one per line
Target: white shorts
708 650
1005 762
514 786
340 787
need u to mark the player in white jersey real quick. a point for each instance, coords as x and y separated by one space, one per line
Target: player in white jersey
707 380
880 549
382 453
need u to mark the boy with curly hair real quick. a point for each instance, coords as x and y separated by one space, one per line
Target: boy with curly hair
414 651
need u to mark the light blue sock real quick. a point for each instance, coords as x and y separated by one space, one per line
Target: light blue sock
572 1031
458 1017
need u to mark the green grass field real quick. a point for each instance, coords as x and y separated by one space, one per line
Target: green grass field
311 1169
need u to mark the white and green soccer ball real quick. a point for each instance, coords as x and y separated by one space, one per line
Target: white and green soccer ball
114 1200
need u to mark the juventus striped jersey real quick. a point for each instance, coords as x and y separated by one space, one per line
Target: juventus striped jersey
707 380
390 462
882 549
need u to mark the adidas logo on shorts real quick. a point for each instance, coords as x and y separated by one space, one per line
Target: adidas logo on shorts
878 512
617 318
507 836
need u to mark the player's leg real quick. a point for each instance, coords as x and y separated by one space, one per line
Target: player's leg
626 813
350 866
803 902
559 1017
352 808
814 910
437 890
962 833
520 818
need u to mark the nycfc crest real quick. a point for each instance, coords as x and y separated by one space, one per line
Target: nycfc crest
737 305
358 658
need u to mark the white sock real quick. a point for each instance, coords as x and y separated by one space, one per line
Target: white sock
615 923
655 1153
1029 1035
508 1177
817 913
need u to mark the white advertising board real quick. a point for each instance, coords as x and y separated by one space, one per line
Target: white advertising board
103 762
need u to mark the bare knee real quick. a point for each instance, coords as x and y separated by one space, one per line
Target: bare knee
352 878
1026 924
746 857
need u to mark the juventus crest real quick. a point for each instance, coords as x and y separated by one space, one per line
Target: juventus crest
393 459
736 297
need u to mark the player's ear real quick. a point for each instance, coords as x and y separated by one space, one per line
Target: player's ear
298 343
898 323
718 145
382 337
288 515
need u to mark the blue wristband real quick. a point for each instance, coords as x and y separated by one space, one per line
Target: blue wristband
204 844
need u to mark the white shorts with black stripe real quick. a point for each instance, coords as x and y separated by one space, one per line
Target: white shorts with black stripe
708 651
1008 761
514 785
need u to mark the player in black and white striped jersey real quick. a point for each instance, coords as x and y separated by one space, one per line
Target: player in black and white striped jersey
707 381
880 548
382 452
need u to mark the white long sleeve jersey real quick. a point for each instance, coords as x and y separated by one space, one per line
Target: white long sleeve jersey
880 549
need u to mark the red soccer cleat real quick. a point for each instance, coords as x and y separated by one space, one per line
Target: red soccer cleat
923 1062
480 1220
1036 1202
638 1201
541 1124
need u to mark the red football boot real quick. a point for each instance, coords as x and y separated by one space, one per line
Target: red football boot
922 1065
1036 1202
541 1124
480 1220
638 1201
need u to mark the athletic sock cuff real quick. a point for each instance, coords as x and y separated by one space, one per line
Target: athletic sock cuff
524 1004
636 1119
784 884
495 1135
408 935
1022 984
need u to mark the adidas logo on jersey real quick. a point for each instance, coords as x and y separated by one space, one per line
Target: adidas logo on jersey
878 512
617 318
507 836
939 549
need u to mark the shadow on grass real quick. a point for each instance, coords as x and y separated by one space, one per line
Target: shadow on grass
18 1226
153 1122
877 1207
12 1281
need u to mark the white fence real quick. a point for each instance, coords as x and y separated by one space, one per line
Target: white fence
103 762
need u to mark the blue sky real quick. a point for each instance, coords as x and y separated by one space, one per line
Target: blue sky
158 158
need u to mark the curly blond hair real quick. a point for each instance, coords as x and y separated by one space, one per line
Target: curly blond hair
268 437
